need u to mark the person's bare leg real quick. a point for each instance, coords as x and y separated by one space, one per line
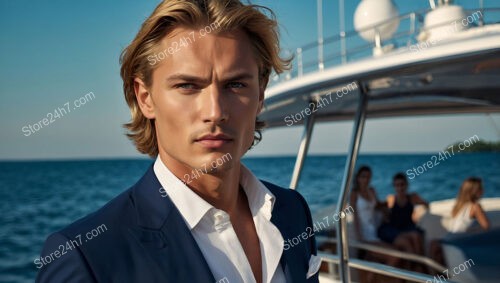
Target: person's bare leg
403 243
367 276
417 242
414 241
418 246
436 252
386 259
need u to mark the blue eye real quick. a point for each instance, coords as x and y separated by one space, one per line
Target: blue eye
235 85
186 86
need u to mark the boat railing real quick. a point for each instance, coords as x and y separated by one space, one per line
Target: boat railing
381 269
387 251
303 57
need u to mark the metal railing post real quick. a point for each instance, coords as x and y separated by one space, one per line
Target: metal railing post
432 3
378 39
413 24
343 48
300 67
321 65
342 32
343 246
481 8
304 146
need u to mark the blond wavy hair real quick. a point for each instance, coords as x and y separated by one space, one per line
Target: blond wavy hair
468 193
230 15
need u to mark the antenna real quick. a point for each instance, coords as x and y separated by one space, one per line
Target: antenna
342 31
321 66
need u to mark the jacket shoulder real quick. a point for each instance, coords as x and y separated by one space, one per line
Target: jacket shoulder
114 213
64 257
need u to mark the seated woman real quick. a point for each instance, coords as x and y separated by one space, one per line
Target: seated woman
467 207
400 229
365 203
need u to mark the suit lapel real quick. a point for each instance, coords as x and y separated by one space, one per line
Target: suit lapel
282 222
164 234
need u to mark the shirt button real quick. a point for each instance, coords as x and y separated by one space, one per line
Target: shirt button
221 220
219 215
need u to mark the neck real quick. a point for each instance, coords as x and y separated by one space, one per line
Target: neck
219 188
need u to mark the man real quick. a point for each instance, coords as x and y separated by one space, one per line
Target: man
194 79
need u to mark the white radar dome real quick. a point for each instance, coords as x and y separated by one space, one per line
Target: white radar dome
445 21
371 12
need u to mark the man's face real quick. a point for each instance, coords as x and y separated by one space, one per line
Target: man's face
205 98
400 186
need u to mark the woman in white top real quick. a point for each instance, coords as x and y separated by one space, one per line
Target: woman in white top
467 207
365 203
464 212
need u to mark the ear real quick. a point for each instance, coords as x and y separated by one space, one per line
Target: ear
144 99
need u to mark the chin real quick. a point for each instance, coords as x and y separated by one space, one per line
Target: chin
216 160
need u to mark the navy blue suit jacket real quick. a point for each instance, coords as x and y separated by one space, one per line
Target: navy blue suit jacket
145 239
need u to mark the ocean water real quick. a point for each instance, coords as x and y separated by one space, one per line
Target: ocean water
38 198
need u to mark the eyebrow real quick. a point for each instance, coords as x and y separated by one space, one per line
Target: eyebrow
185 77
239 76
191 78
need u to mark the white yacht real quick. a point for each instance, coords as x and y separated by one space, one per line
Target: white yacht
444 60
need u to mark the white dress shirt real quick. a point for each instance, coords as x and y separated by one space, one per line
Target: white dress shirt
215 235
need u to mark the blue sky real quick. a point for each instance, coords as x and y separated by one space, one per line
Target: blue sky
54 52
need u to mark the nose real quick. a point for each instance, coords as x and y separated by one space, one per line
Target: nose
214 105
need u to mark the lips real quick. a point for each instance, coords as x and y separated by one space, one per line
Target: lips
214 140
